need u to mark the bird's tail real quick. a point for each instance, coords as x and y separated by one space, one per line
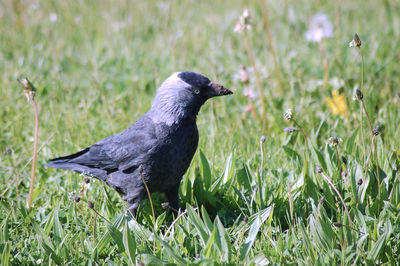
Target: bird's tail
67 163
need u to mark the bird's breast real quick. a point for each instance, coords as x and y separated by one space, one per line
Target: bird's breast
173 155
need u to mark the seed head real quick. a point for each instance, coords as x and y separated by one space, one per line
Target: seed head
86 180
90 205
29 89
77 199
288 115
344 174
356 42
376 130
290 129
337 224
243 24
262 139
394 167
334 141
359 182
319 169
359 95
344 160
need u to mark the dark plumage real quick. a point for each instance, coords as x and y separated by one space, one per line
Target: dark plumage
162 142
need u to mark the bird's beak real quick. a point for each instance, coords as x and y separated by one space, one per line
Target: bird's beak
219 90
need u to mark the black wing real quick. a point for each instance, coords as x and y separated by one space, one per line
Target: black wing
119 152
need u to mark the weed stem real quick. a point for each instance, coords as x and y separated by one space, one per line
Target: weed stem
271 44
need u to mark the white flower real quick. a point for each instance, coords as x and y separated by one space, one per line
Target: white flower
53 17
352 43
243 22
319 28
288 114
334 141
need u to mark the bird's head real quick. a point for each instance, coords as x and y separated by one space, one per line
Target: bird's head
182 95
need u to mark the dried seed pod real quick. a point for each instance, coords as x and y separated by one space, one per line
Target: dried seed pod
357 40
319 169
359 94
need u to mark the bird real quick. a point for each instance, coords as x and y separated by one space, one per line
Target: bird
157 149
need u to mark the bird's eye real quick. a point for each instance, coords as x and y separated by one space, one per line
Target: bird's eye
196 91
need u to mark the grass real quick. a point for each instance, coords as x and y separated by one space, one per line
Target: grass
96 66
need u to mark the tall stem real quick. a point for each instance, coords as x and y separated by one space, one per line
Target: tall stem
34 155
271 44
258 81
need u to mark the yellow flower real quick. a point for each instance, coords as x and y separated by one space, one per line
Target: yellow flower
338 104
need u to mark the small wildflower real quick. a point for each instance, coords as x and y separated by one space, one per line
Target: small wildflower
243 23
71 195
352 43
319 28
246 218
29 89
250 92
53 17
376 130
334 141
319 169
290 129
338 104
288 115
262 139
344 174
394 167
8 150
356 42
90 205
244 75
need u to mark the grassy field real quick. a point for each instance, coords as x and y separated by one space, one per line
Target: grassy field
301 197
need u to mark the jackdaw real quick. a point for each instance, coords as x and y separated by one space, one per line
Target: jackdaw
158 147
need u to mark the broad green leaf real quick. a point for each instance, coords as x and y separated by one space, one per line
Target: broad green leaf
5 257
172 252
223 241
205 170
208 248
116 236
376 248
292 154
57 227
255 223
351 141
198 224
105 239
228 169
4 230
129 244
206 220
50 251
